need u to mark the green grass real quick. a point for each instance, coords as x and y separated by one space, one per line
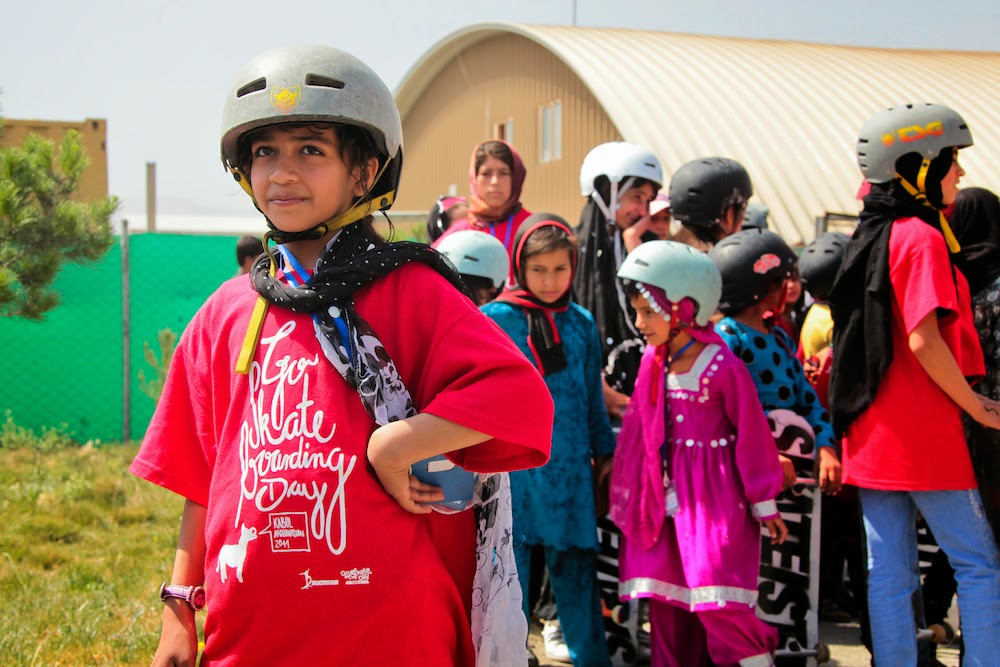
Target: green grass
84 546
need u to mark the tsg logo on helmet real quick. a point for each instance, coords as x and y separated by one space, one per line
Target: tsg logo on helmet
913 133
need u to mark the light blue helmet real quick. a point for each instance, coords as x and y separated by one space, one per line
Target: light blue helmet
476 253
680 271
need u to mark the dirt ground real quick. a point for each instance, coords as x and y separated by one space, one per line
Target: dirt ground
846 649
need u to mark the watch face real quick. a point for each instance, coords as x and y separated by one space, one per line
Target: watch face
198 598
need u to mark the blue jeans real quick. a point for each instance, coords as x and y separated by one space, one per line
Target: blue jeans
958 522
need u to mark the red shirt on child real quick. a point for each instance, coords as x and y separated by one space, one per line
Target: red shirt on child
309 561
911 437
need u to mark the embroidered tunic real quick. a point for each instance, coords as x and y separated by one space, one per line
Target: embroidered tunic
724 465
554 504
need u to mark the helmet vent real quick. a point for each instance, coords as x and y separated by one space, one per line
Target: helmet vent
324 81
252 87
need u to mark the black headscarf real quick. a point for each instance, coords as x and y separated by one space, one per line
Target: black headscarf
596 287
543 334
356 257
861 302
976 223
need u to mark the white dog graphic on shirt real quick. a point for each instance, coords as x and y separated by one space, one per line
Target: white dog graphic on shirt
233 555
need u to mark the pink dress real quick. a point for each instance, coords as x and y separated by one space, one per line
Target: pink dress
724 466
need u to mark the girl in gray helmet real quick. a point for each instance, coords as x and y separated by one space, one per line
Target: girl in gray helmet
299 399
904 347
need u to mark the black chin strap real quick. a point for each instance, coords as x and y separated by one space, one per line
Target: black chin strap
280 237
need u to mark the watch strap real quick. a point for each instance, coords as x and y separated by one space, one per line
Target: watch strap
193 595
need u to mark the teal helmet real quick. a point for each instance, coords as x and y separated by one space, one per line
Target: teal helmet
476 253
680 271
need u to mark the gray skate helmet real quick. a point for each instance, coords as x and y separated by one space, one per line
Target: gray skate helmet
476 253
679 270
921 128
316 84
750 261
820 261
702 190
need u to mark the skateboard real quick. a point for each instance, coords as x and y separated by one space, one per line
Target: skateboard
627 634
788 585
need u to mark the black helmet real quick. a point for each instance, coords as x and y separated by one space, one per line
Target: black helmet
750 261
819 262
756 216
701 191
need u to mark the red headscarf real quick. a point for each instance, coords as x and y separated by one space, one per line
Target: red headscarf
544 340
481 213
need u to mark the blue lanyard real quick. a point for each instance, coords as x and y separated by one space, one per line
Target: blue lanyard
671 357
506 240
297 275
666 402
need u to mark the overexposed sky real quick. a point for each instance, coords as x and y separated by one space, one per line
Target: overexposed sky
157 70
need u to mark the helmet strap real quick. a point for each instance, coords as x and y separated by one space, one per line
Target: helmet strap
607 208
925 165
920 195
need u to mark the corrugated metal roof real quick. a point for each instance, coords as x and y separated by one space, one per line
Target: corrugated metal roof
789 111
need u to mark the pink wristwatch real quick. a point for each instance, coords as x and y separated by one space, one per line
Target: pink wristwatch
193 595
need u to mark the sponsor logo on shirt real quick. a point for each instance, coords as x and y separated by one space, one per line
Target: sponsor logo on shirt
310 582
357 575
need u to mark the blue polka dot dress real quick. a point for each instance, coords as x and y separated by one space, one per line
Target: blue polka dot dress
778 374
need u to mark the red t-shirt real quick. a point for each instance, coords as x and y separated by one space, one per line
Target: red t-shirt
309 561
911 437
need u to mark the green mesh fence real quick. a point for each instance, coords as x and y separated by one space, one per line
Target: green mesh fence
66 371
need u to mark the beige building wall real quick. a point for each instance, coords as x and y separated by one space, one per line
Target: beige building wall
93 132
481 90
795 125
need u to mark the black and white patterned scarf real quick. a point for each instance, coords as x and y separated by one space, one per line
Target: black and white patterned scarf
352 259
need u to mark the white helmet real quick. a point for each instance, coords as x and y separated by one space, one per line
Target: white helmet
617 160
476 253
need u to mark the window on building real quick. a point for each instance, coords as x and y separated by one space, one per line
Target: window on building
504 130
550 131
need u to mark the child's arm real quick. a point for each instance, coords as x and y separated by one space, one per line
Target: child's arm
777 529
756 455
632 236
615 402
179 635
807 404
393 448
602 438
937 360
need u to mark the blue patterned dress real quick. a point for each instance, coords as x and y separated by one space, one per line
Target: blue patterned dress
554 505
